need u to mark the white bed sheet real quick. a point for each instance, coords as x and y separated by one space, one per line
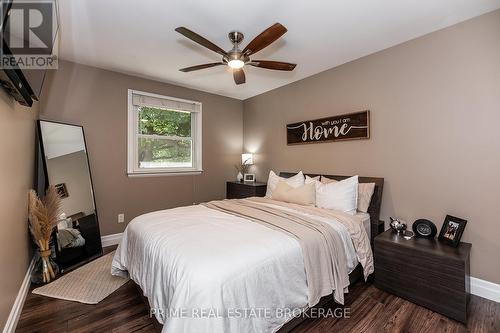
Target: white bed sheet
206 271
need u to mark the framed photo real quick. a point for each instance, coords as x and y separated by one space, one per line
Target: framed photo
452 230
249 177
62 190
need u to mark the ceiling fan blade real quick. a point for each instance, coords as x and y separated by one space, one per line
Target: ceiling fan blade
239 76
266 38
200 40
197 67
276 65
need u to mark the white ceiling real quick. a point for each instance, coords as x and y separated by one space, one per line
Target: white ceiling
138 37
61 139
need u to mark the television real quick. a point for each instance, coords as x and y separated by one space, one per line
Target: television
28 35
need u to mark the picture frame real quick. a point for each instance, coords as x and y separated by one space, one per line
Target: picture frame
452 230
249 178
62 190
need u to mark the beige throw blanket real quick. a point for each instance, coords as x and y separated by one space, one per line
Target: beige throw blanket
355 227
322 248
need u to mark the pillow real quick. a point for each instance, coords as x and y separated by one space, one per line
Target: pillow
365 193
302 195
341 195
272 181
313 180
325 180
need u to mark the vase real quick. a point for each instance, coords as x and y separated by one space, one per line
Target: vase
239 177
45 269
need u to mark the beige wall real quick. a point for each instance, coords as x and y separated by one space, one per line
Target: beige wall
72 170
435 111
97 99
17 150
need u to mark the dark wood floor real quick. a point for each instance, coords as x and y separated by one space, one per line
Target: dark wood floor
371 310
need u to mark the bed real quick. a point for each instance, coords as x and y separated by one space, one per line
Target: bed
207 268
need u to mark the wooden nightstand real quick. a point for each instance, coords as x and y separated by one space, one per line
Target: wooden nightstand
425 272
237 190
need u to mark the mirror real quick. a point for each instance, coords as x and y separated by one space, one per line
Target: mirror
65 165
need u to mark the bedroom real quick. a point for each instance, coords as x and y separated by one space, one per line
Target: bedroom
428 73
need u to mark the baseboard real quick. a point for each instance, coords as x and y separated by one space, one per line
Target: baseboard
113 239
485 289
17 307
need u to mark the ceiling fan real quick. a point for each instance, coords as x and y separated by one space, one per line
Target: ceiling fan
236 58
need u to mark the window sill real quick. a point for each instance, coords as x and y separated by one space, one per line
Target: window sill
164 174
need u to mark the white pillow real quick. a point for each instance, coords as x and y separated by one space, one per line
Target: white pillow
365 193
272 181
341 195
310 180
302 195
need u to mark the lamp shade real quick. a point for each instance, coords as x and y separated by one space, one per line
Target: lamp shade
247 159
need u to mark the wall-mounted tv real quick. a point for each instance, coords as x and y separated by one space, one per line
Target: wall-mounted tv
28 34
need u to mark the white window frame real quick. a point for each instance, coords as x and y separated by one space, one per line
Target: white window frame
133 169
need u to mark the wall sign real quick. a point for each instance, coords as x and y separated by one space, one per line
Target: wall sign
351 126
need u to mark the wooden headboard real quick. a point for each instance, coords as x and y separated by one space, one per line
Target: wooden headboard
377 226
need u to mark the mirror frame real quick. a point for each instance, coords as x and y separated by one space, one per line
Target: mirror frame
40 161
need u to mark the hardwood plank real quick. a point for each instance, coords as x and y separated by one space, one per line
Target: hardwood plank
141 324
371 310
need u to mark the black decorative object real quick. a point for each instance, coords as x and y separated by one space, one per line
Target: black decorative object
452 230
424 228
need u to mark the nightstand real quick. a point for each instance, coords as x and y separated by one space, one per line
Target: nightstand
425 272
237 190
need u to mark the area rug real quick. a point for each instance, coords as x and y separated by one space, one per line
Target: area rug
88 284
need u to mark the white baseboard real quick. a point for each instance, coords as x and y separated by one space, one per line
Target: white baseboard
17 307
485 289
113 239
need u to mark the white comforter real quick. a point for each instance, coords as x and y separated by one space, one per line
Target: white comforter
206 271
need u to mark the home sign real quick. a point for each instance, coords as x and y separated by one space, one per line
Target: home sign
353 126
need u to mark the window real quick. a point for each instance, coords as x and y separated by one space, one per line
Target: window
164 134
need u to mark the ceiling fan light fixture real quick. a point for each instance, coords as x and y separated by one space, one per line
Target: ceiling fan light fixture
236 64
236 59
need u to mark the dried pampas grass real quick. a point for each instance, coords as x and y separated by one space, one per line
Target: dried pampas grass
43 216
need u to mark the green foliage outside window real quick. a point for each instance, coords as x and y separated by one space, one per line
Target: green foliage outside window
154 121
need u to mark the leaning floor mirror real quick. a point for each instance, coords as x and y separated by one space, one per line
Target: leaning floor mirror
63 162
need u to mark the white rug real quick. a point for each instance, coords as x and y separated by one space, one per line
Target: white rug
88 284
